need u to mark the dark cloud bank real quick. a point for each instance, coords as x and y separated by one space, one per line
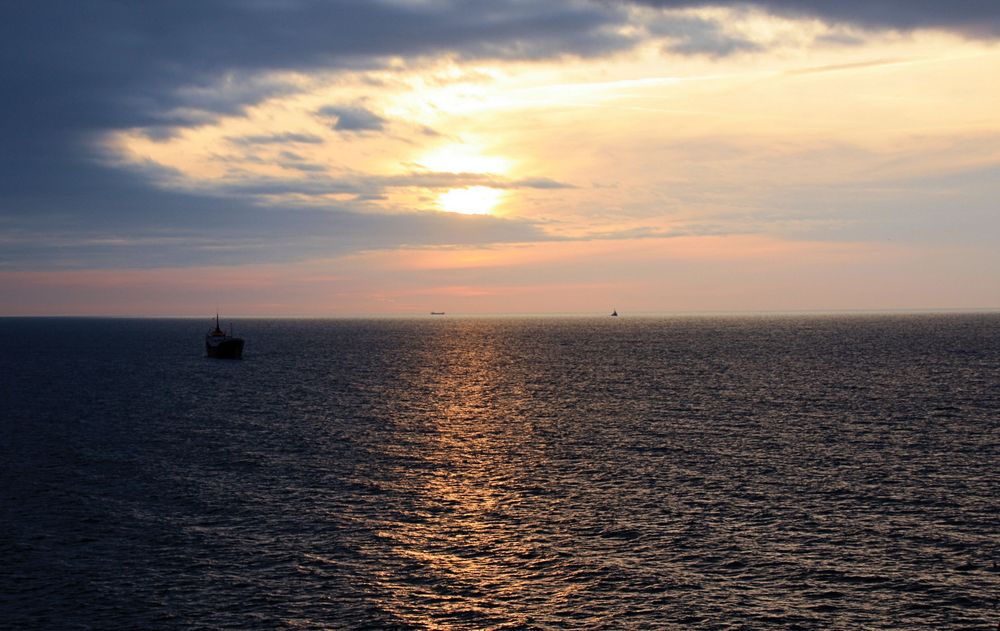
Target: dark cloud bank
71 71
975 18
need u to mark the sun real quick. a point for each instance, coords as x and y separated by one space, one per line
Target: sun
475 200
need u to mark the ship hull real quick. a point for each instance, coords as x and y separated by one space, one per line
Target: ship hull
231 348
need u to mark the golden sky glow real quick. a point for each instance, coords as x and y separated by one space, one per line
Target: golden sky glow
475 200
717 133
644 139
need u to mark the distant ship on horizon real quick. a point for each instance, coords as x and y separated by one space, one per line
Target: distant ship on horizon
437 312
222 345
614 313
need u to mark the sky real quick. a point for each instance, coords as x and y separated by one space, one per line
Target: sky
339 158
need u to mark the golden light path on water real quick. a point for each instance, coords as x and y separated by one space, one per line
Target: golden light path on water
466 487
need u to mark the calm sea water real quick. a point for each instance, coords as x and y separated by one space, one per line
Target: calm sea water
708 473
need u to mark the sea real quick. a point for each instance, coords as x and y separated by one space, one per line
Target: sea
703 472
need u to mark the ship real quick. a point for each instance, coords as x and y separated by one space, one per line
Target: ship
223 345
614 313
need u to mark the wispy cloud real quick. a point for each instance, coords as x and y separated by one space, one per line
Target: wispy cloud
352 118
373 186
693 35
288 138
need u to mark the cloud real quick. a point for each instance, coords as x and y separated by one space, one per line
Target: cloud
373 186
113 65
73 73
195 230
973 18
305 167
540 183
461 180
690 35
874 63
352 118
288 138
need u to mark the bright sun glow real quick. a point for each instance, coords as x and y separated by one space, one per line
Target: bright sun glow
463 159
475 200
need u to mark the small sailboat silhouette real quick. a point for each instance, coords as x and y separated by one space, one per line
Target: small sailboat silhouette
614 313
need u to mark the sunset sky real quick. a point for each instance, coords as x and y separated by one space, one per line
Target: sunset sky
309 158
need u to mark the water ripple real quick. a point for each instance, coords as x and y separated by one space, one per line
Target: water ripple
717 473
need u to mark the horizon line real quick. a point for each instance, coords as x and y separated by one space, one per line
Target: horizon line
542 314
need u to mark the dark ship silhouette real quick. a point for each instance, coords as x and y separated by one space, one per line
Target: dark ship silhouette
221 345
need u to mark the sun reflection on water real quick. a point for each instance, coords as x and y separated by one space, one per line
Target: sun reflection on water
459 542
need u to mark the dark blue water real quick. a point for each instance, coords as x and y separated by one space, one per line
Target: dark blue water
714 473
